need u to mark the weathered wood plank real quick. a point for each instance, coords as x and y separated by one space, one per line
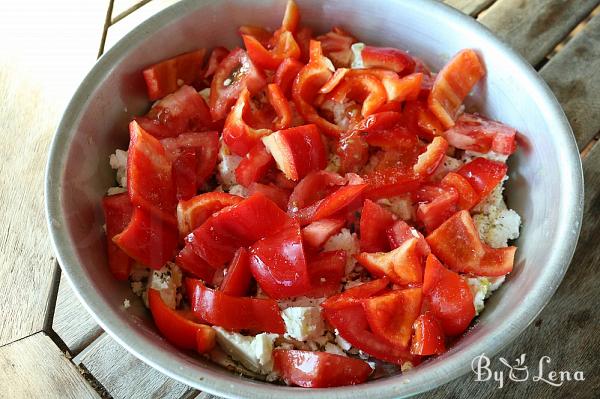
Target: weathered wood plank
72 322
40 66
125 376
572 74
534 28
34 367
469 7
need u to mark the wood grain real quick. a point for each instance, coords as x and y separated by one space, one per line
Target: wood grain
470 7
534 28
34 367
125 376
72 322
573 76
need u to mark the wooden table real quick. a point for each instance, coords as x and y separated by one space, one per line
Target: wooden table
51 347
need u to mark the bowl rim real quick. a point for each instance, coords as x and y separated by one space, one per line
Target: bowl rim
569 226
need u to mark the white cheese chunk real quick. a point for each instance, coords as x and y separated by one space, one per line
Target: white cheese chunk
303 323
115 190
166 280
118 161
346 241
226 169
357 61
342 343
254 353
205 93
334 349
482 288
238 189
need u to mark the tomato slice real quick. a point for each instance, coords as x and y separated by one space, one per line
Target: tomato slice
400 232
234 313
476 133
297 151
355 295
149 177
194 265
453 83
363 88
281 106
238 278
286 73
346 198
278 263
195 211
467 196
176 328
234 73
216 56
325 271
239 225
389 58
391 316
373 220
276 194
254 165
148 240
448 297
310 369
428 338
457 243
117 215
402 265
179 112
483 175
337 46
429 160
167 76
318 232
306 86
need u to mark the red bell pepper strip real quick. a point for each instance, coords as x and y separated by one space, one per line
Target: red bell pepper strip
238 278
117 215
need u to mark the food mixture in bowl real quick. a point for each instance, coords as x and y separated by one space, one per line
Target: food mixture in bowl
309 208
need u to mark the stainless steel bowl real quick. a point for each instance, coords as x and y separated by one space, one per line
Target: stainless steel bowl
545 184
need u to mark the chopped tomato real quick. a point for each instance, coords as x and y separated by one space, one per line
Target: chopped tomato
428 338
325 271
483 175
457 243
345 198
402 265
272 192
179 112
239 225
401 232
318 232
310 369
285 47
336 46
429 160
216 56
386 57
148 240
254 165
195 211
234 73
167 76
286 73
278 263
117 214
234 313
238 278
237 134
281 106
391 316
373 220
448 297
355 295
194 265
476 133
297 151
149 177
467 196
453 83
363 88
176 328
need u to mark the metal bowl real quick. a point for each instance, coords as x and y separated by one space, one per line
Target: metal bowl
545 184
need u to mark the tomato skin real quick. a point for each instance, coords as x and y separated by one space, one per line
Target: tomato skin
373 220
148 240
238 71
346 198
483 175
453 83
391 316
388 58
428 338
176 328
194 265
318 232
149 176
402 265
234 313
448 297
238 278
297 151
325 271
278 263
310 369
162 78
195 211
286 73
117 215
254 165
237 134
239 225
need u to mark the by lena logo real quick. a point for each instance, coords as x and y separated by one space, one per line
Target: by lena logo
519 371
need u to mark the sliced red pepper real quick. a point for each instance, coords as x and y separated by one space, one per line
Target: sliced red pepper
476 133
117 215
483 175
195 211
336 46
401 232
315 186
453 83
353 151
325 271
278 263
234 313
194 265
391 182
428 338
261 34
184 174
303 37
386 57
281 106
429 160
148 240
363 88
310 369
318 232
399 89
448 297
285 47
435 212
272 192
391 316
291 17
216 56
238 278
467 196
355 295
176 328
420 119
346 198
149 177
254 165
373 220
402 265
169 75
286 73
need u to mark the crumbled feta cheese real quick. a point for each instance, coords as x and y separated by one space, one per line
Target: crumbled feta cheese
357 61
118 161
238 189
303 323
300 301
495 283
342 343
205 93
334 163
138 287
138 276
482 288
352 284
406 366
166 280
254 353
400 206
329 64
226 169
346 241
115 190
492 156
218 356
126 303
227 82
449 164
334 349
